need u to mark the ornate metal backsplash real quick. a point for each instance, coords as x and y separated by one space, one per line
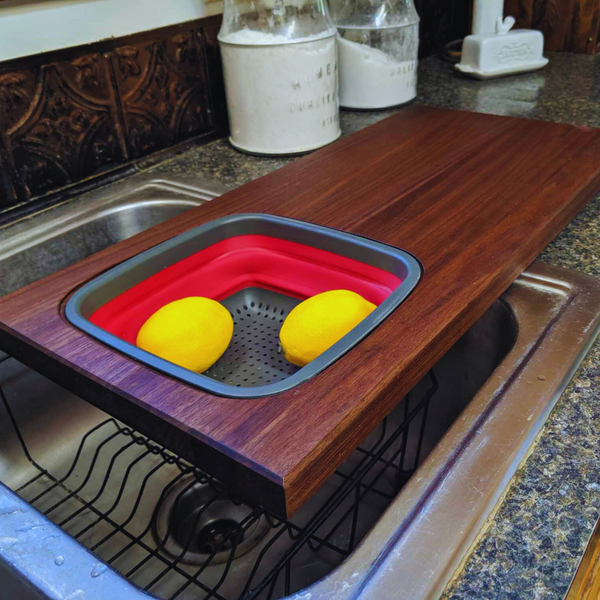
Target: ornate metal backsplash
76 114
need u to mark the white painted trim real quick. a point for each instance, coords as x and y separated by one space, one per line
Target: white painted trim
33 26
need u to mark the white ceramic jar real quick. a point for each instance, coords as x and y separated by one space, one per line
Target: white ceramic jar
281 76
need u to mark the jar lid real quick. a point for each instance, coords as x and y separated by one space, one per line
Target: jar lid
274 22
373 14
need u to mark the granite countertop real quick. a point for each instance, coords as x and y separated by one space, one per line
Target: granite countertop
533 545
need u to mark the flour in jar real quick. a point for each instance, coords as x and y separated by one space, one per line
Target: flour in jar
282 95
371 78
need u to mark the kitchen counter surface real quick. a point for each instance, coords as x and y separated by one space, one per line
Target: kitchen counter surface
533 545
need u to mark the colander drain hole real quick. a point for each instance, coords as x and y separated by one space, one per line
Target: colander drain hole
253 358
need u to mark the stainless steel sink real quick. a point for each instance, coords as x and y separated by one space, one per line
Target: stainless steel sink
85 500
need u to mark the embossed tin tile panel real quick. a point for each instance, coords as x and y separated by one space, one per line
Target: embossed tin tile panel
65 126
163 91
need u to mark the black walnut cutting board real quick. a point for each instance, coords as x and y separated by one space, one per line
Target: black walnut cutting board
474 197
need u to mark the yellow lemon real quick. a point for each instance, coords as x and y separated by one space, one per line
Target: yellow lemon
319 322
191 332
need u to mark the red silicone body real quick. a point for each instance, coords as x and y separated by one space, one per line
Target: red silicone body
239 262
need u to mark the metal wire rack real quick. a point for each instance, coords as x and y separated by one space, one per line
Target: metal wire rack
114 490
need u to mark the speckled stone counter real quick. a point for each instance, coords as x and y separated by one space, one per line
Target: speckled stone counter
533 546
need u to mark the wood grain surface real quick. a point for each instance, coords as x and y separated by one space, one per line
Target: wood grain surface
567 25
474 197
586 583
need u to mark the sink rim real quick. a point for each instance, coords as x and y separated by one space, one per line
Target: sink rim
31 230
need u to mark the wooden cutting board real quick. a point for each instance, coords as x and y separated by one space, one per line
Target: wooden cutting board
474 197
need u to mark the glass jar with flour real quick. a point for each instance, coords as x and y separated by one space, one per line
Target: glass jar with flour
281 76
377 52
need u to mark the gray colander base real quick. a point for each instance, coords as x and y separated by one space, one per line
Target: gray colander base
252 358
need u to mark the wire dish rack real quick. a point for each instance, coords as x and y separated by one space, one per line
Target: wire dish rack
190 538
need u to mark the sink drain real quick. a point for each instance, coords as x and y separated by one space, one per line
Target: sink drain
201 524
219 535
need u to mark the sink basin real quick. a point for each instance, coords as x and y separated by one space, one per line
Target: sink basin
88 507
